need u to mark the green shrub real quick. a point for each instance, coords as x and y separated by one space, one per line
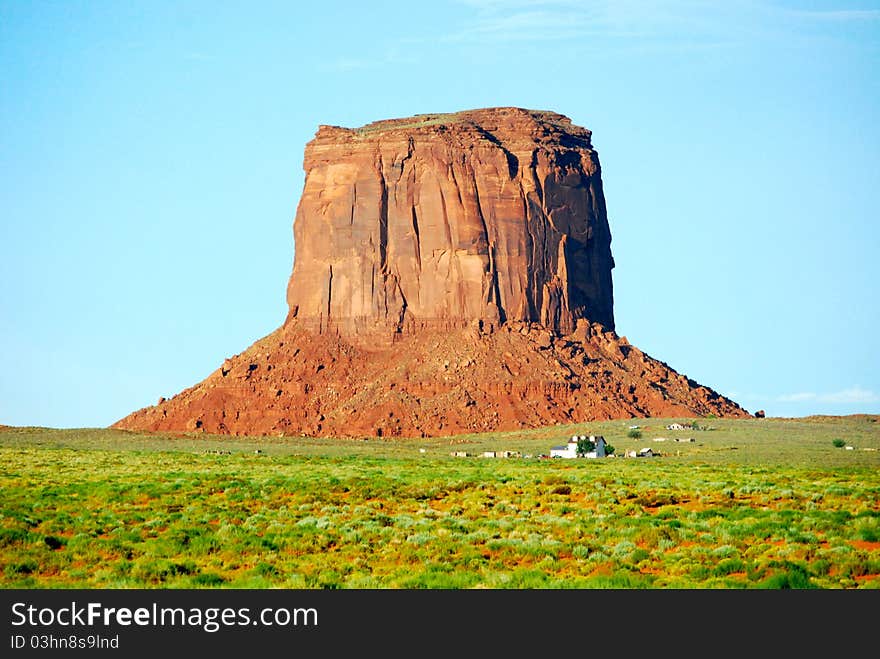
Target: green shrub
839 443
53 542
621 580
728 566
23 567
580 551
793 577
9 537
208 579
635 433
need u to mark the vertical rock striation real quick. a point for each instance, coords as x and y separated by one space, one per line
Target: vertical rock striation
437 221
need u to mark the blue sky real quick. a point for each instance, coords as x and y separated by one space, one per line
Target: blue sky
151 163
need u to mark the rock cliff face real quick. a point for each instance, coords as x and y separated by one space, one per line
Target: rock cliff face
452 274
437 221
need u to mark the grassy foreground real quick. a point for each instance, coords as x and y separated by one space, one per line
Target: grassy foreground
769 503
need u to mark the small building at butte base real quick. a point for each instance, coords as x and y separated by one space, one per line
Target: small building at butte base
570 450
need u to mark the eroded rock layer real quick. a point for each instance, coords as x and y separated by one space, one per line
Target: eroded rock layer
452 274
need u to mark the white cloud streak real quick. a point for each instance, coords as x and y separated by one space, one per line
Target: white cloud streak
852 395
344 64
851 15
701 21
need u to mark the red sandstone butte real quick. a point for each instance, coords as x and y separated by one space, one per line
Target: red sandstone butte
452 274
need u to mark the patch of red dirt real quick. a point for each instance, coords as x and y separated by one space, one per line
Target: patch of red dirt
865 545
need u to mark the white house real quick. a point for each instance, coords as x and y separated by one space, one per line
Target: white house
570 449
675 426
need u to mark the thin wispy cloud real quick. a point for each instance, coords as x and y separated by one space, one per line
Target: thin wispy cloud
533 26
515 20
607 24
666 23
850 15
852 395
800 397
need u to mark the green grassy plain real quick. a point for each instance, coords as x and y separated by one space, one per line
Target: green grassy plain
755 503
